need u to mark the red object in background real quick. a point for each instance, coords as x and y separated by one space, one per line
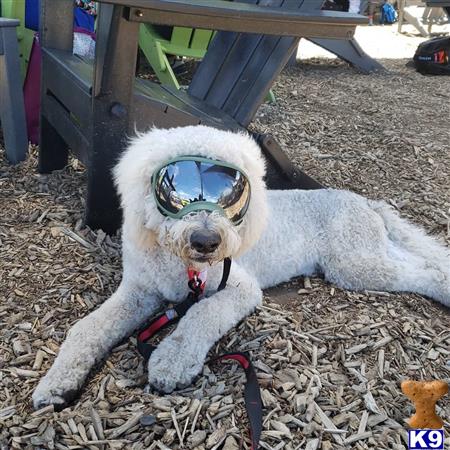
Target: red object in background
32 87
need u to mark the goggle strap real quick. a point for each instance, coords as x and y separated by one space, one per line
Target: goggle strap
225 274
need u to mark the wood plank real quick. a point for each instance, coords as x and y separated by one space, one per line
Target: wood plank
242 106
236 16
200 39
229 76
60 119
207 113
181 36
222 44
232 68
111 116
63 70
215 57
167 97
56 24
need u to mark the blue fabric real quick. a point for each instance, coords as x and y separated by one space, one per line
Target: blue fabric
83 20
388 14
32 14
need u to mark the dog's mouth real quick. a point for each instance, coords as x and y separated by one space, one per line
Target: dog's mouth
203 258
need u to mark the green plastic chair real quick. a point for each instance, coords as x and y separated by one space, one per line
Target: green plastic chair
187 42
15 9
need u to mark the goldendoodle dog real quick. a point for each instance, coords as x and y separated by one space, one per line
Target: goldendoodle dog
193 196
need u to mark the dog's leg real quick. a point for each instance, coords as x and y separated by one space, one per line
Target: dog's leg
385 252
180 356
89 340
383 273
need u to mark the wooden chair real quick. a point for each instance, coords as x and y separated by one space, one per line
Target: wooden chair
93 108
346 48
188 42
12 110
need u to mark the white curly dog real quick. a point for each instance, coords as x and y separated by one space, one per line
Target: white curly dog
356 243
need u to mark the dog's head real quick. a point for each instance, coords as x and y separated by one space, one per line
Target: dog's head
200 237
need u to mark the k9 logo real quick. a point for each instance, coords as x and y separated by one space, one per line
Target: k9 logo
426 439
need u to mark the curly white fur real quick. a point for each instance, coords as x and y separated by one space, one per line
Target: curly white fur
355 242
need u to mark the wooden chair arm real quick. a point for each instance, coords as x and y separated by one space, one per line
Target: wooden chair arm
242 17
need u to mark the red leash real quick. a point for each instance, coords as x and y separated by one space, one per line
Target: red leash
197 283
252 395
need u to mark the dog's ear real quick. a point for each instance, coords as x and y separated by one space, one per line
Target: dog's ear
255 220
132 176
254 165
134 231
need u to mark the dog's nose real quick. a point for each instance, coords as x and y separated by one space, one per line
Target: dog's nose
205 241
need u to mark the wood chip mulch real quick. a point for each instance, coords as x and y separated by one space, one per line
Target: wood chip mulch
329 361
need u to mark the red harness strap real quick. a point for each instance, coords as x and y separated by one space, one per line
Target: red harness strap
197 287
197 284
252 395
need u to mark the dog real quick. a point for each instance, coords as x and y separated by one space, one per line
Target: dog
354 242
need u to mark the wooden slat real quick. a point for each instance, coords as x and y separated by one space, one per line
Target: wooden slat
218 49
178 100
69 131
248 60
244 110
56 24
207 113
200 39
181 36
237 16
229 74
234 64
62 70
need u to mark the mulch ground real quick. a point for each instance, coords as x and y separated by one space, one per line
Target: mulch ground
329 361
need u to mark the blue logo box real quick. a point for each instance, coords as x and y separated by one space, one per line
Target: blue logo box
426 439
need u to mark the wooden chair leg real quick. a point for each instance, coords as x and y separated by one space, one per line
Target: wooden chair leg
12 109
102 209
58 34
53 150
281 173
117 39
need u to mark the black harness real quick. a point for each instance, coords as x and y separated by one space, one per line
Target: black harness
252 394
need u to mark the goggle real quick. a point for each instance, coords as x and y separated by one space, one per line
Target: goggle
190 183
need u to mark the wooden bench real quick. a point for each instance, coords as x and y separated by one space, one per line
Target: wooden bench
93 108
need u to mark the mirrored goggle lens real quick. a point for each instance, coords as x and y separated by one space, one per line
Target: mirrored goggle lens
183 183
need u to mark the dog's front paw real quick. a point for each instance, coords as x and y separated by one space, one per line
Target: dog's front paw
50 393
173 366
